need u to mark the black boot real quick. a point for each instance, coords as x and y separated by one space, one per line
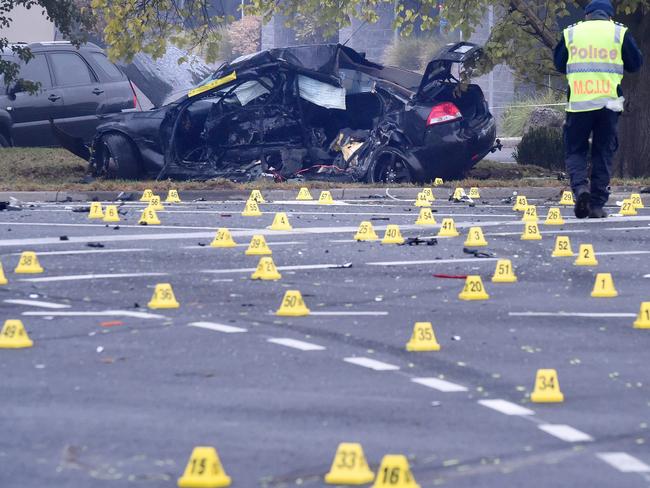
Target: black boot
582 207
597 213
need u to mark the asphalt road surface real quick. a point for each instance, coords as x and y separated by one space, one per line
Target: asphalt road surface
114 394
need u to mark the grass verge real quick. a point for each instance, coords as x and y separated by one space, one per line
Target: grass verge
44 169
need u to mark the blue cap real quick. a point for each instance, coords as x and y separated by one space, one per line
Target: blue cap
604 5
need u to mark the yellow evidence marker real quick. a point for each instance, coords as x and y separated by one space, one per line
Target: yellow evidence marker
392 235
303 194
163 297
428 192
474 193
554 217
266 270
586 256
3 278
627 208
438 182
280 222
28 264
111 214
252 209
257 197
547 387
258 246
426 217
173 197
14 336
504 272
325 198
604 286
637 201
562 247
223 238
643 319
521 203
146 195
394 472
475 238
204 470
531 232
530 214
366 232
473 289
156 204
349 466
448 228
567 198
292 305
422 201
149 217
458 193
96 211
423 338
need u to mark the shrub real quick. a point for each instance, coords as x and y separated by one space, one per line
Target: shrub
514 117
541 146
412 53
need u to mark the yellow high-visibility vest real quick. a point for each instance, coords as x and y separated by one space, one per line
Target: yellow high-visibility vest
595 65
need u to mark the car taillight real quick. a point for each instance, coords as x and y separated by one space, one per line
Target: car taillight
443 112
135 97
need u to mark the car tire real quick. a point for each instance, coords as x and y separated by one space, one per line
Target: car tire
389 165
117 158
3 141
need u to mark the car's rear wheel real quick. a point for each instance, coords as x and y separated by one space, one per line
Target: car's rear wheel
389 166
117 158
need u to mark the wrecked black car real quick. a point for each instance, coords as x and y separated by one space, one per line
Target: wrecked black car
310 112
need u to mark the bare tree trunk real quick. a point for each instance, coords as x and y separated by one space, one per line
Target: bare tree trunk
633 157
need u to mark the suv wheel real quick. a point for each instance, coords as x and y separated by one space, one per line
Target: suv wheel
117 158
389 166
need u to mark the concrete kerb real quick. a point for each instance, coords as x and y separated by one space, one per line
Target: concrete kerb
361 193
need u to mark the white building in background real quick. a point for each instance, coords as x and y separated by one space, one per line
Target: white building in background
29 25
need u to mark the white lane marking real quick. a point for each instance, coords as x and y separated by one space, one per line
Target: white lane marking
280 268
103 313
245 244
618 253
429 261
343 313
438 384
573 314
624 462
627 228
565 432
36 303
302 345
646 276
228 329
371 363
120 224
506 407
86 251
554 231
48 279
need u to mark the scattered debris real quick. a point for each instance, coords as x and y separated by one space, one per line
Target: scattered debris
124 196
379 218
84 209
95 244
64 238
416 241
477 253
8 206
111 323
453 277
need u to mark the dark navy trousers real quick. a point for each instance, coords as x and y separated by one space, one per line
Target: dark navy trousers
601 125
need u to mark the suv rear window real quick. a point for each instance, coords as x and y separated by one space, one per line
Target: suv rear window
70 69
112 71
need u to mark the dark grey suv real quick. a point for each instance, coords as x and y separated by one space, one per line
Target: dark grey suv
77 86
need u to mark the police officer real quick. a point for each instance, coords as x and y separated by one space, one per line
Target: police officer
594 54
